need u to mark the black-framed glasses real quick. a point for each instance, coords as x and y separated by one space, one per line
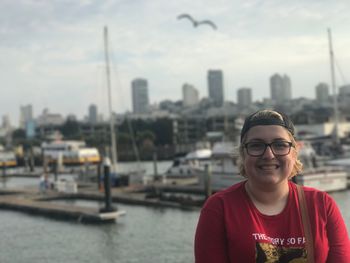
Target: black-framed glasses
278 148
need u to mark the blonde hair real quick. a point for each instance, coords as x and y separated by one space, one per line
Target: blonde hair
264 114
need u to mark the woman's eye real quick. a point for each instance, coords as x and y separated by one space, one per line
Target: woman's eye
256 145
281 144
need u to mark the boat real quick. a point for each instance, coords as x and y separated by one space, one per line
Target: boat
328 176
184 167
344 163
223 171
315 174
7 159
132 178
70 153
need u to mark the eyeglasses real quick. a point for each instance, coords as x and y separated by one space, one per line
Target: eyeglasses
278 148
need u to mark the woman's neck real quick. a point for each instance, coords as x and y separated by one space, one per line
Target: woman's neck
269 201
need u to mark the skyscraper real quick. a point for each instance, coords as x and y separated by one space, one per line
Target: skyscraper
93 113
322 93
280 88
190 95
26 115
215 87
244 97
140 101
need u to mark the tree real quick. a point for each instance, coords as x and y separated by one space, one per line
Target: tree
71 129
19 134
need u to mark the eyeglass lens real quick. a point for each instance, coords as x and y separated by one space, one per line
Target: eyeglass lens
278 148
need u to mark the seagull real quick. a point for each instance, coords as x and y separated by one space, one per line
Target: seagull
197 23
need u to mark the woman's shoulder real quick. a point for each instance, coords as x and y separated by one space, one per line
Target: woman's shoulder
315 197
230 195
236 189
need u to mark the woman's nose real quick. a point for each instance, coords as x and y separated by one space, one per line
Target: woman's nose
268 152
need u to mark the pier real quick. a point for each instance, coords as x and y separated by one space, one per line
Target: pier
32 201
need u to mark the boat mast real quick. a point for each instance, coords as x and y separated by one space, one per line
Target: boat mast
111 118
334 88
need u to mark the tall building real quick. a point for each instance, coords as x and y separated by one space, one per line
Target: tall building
93 114
26 115
280 88
140 102
47 118
244 97
216 87
190 95
344 90
6 123
322 92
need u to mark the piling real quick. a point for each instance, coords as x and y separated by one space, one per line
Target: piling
107 187
155 168
207 190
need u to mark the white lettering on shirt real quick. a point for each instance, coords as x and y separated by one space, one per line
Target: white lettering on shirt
278 240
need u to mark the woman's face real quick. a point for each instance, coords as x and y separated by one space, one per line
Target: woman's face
268 169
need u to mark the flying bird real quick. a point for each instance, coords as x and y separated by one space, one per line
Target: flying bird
197 23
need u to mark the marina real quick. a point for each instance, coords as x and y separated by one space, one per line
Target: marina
144 234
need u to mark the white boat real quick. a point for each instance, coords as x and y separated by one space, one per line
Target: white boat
186 166
7 159
138 176
343 163
223 171
70 153
322 177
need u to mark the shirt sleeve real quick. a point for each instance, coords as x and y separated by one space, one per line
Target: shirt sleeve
210 239
339 244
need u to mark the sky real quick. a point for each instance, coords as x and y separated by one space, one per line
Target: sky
52 52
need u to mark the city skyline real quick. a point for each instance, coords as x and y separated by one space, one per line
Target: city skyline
52 52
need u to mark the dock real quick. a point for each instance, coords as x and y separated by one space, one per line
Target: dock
31 201
28 203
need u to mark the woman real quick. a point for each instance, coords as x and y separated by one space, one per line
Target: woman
258 220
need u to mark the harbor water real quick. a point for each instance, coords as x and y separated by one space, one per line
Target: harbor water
144 234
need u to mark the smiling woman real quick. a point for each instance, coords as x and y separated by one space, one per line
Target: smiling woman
260 219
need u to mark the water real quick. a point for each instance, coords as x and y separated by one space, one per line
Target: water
144 234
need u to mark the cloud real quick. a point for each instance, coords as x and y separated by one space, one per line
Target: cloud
53 52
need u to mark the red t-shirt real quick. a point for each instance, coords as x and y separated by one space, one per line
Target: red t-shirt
231 229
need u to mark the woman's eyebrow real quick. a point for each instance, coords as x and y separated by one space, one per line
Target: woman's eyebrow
262 140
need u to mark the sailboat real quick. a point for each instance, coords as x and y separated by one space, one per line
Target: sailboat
133 177
326 178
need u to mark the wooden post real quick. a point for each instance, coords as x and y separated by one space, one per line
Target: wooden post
107 187
155 168
207 184
99 167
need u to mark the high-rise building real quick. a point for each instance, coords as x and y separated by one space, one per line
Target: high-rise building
93 113
140 102
6 123
322 92
244 97
190 95
287 87
344 90
26 115
280 88
216 87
